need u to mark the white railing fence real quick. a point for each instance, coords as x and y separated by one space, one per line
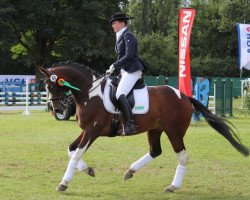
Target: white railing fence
20 98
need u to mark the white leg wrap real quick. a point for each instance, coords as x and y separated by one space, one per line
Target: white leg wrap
73 163
182 158
141 162
179 175
70 171
81 165
70 153
181 169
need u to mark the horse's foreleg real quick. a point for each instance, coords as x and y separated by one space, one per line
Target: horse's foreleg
81 165
155 150
71 167
180 172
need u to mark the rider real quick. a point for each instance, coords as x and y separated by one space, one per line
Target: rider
130 67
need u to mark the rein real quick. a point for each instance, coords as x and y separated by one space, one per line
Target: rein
105 75
62 82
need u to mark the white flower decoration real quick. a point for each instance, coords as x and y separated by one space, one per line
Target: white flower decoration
53 78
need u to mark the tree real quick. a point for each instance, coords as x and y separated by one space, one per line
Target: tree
155 24
41 32
159 54
46 31
152 16
214 37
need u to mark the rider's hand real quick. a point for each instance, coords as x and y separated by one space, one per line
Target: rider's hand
111 69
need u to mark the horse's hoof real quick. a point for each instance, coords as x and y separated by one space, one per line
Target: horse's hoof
61 188
129 174
90 171
171 188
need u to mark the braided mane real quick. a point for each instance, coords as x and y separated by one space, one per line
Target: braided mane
71 64
75 65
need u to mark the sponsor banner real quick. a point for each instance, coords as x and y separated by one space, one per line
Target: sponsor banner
14 83
186 18
244 45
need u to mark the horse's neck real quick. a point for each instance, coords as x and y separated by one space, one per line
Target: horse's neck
83 84
84 96
80 97
95 90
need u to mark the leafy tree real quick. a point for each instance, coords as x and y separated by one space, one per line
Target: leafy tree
159 54
46 31
214 38
41 32
152 16
155 24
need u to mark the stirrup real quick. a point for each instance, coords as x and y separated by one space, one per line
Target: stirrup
128 129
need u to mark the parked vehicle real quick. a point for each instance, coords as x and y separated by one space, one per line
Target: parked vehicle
69 108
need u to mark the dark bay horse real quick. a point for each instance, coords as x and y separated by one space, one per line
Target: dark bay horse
169 111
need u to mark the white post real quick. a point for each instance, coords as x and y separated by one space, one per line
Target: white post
244 83
214 98
27 112
242 93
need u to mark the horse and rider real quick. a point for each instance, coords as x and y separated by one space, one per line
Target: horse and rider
169 110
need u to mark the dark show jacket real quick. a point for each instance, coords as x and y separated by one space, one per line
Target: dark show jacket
127 53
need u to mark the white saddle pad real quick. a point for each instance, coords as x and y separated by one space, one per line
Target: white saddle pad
141 100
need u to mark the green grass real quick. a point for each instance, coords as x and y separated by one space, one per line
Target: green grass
33 153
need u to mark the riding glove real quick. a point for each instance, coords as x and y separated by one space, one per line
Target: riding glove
111 69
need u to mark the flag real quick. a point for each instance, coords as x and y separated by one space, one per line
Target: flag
186 18
244 45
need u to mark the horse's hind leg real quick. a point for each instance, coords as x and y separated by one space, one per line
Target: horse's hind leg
155 150
179 148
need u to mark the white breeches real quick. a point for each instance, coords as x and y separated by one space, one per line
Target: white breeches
127 82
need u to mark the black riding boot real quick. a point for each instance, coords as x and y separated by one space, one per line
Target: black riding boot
130 127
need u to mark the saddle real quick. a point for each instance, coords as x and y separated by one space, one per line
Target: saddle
130 97
137 98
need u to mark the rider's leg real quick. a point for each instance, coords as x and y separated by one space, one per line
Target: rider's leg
124 106
127 82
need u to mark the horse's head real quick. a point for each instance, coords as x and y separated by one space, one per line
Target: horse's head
54 82
64 77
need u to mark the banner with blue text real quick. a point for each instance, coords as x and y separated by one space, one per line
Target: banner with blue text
244 45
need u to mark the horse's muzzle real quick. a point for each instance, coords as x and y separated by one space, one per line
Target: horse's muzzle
58 111
57 107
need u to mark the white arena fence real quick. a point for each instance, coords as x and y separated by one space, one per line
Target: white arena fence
41 98
211 104
245 90
20 98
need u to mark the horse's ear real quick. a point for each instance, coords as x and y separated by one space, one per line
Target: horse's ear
43 71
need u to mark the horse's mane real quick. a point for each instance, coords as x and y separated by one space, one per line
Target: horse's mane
75 65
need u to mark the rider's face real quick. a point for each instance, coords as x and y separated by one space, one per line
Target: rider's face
117 26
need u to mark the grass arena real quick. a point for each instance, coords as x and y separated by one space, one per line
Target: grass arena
34 155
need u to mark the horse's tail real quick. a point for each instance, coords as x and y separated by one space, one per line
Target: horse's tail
221 126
